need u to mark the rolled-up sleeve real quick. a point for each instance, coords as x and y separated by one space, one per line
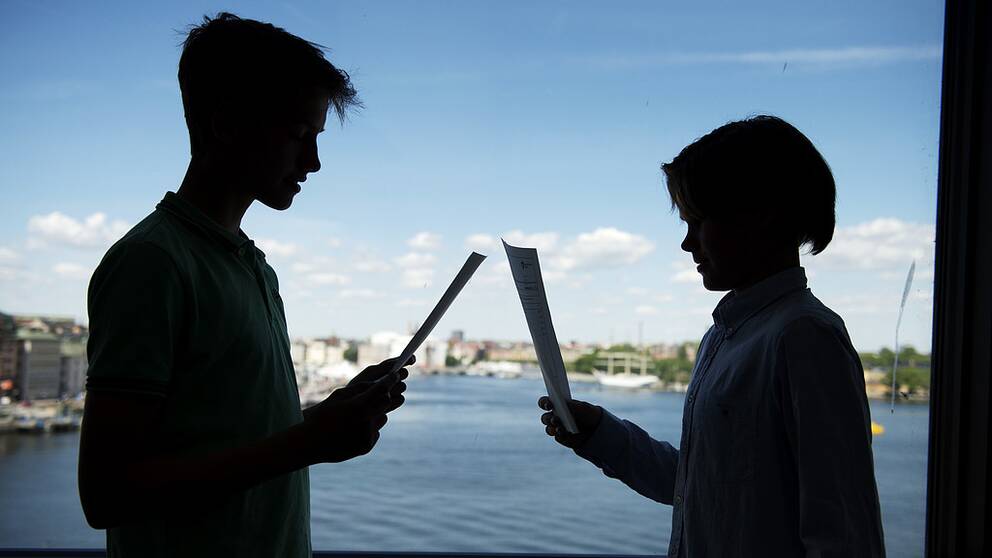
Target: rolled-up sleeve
134 303
626 452
827 423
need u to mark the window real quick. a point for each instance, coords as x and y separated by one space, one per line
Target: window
542 124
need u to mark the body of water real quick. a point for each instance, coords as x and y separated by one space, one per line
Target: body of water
465 466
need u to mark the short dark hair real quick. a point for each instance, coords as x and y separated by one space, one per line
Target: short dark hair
761 163
249 65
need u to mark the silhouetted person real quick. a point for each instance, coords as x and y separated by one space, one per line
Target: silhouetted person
775 456
193 441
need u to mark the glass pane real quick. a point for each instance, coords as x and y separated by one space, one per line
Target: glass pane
544 124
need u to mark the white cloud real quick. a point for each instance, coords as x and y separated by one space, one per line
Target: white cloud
275 248
425 241
543 241
302 267
497 274
861 303
844 56
359 293
72 271
327 278
552 276
8 255
637 291
407 302
885 244
645 310
334 242
481 242
685 273
415 260
417 278
601 248
93 232
372 265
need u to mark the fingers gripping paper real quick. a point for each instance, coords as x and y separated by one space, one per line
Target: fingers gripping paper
530 286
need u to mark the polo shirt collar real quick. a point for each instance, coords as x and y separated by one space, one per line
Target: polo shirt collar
737 307
198 220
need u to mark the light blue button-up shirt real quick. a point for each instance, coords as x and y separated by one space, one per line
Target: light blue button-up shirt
775 457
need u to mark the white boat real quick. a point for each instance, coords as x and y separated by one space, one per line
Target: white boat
625 379
498 369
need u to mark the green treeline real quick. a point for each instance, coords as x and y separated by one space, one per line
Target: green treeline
913 374
675 369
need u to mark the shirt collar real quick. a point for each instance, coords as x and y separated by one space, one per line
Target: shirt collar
737 307
199 221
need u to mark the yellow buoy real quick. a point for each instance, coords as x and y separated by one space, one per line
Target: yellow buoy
877 429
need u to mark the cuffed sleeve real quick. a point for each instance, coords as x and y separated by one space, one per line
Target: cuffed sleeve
134 302
626 452
827 423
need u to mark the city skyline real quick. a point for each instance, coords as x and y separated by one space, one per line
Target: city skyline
544 125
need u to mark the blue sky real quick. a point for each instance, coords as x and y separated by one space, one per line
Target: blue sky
542 122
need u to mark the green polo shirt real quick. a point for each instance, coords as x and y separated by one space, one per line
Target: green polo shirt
182 309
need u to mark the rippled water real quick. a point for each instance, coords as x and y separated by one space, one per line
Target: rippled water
465 466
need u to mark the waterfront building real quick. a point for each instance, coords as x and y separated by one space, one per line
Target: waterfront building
41 357
321 352
39 365
72 366
8 356
386 344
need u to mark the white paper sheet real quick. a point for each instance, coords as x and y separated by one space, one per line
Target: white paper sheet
471 264
530 286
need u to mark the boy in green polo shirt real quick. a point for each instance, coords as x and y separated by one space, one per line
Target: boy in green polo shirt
193 441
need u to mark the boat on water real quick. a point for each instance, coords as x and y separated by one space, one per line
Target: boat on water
625 380
497 369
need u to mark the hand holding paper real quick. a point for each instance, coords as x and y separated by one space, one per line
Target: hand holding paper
530 286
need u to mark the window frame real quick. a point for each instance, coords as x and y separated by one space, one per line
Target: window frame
958 481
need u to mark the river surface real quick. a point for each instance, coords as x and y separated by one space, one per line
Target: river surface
465 466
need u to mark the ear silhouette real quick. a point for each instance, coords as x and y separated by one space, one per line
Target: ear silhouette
223 127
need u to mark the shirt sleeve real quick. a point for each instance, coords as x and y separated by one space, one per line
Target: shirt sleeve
626 452
134 301
828 425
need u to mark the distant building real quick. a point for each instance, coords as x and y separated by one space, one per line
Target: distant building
387 344
58 325
516 351
572 351
664 351
370 353
319 352
42 357
39 365
457 336
467 351
8 357
72 366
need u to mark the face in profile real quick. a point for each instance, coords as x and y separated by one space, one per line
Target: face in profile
274 157
727 252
